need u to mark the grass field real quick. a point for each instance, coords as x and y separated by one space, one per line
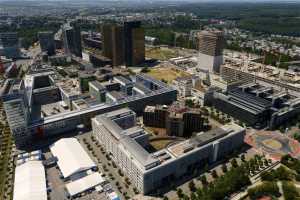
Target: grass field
167 73
161 53
160 144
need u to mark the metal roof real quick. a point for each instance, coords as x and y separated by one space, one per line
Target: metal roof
30 181
72 158
85 183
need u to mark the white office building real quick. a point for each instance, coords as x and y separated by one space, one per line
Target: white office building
126 143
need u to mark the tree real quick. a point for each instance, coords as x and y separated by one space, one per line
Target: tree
266 188
297 136
234 163
164 80
179 193
189 103
224 168
192 186
214 174
267 176
282 173
206 168
243 158
290 191
145 70
203 180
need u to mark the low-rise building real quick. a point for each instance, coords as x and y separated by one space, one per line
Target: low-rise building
255 104
72 159
30 181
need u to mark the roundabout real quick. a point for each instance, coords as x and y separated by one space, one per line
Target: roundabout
274 144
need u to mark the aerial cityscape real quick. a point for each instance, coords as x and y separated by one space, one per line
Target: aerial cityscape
149 100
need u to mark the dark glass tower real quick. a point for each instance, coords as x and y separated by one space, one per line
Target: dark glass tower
47 43
134 37
72 39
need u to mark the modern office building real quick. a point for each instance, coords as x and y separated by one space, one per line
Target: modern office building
255 104
9 45
92 40
84 79
211 44
17 111
113 46
124 43
155 116
72 39
234 71
178 119
99 60
183 85
134 43
47 43
117 45
126 85
148 171
29 120
97 91
107 40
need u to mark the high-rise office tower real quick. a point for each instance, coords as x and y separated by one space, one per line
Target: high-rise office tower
113 43
72 39
47 43
211 44
118 45
9 45
107 40
134 43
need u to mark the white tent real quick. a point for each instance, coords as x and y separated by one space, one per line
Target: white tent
71 157
30 181
84 184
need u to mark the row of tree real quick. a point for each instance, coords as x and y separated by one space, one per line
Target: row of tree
233 180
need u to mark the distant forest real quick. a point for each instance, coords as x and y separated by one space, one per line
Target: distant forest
271 18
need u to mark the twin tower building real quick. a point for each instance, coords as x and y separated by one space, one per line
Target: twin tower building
124 44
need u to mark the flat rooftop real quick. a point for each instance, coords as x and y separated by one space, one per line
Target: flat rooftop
122 80
97 85
147 160
202 139
52 109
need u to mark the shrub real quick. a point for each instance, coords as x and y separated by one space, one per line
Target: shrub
290 191
265 189
192 186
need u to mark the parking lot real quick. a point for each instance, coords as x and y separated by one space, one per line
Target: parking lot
118 183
